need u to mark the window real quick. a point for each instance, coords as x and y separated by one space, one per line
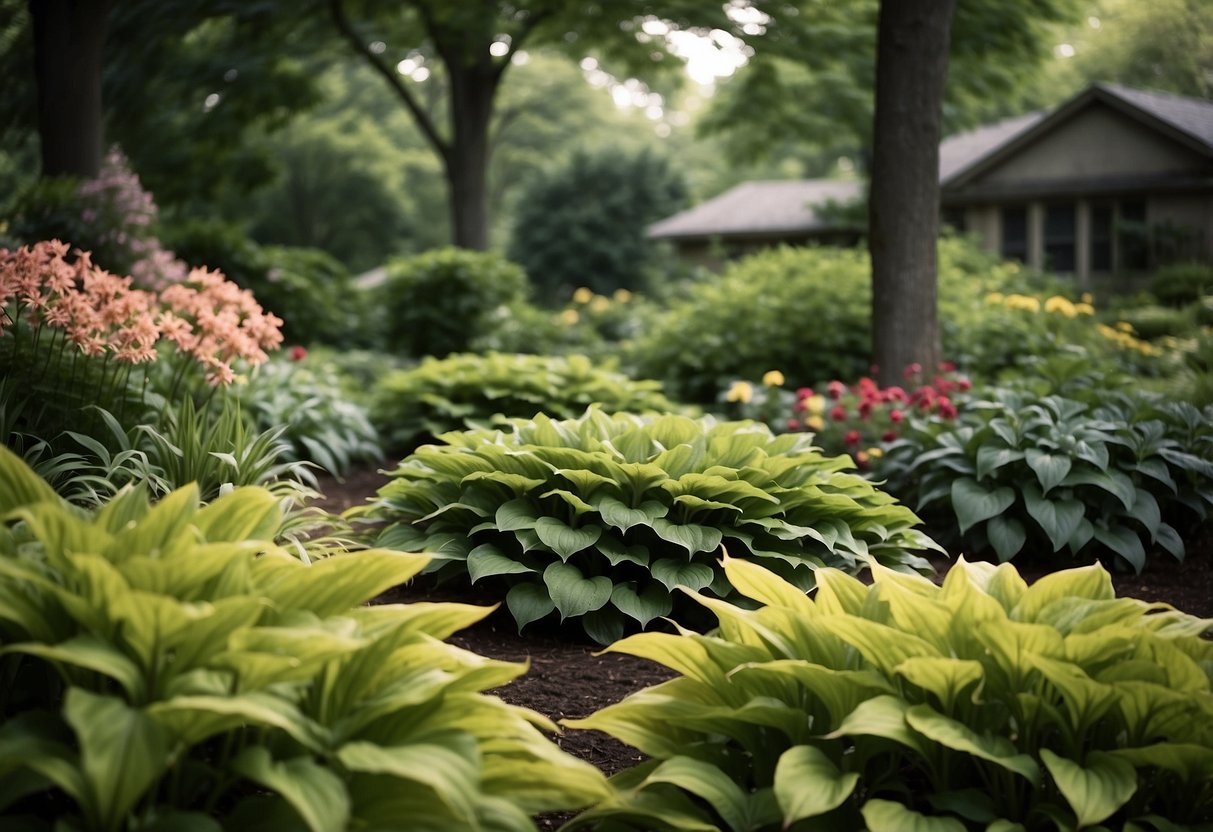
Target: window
1059 237
954 218
1133 236
1101 238
1015 233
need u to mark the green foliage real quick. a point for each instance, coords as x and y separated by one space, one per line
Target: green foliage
600 518
1151 322
435 302
982 704
1182 283
413 406
301 397
1097 473
584 224
803 311
169 667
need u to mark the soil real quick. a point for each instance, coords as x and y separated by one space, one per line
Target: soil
569 678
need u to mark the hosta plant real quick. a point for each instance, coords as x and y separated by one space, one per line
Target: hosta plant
600 518
168 667
981 704
1115 474
411 406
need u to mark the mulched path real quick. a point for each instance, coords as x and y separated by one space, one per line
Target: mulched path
568 679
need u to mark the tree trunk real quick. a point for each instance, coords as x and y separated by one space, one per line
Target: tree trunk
69 37
467 159
911 67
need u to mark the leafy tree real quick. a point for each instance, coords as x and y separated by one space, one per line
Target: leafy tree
584 224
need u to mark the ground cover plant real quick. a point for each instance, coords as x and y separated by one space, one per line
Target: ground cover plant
599 518
168 666
983 703
439 395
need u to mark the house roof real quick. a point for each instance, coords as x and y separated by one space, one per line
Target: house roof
772 208
760 208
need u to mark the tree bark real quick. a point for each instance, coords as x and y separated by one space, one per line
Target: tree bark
69 38
467 160
911 68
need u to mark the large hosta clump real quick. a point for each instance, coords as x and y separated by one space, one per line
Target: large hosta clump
599 518
984 704
168 667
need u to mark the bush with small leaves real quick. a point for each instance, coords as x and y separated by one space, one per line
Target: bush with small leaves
981 704
600 518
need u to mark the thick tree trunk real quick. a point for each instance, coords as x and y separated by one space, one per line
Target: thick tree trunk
69 37
911 67
467 160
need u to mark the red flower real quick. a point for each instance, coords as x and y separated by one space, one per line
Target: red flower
894 394
852 437
890 435
839 413
793 424
896 416
946 409
964 384
947 367
804 393
911 371
865 409
298 353
836 389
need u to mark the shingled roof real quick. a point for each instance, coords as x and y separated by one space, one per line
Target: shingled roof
774 208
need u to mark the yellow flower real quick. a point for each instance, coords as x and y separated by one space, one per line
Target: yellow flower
740 391
1084 308
876 453
1025 302
1125 326
600 304
569 317
815 404
1087 298
773 378
815 422
1061 305
995 298
582 295
622 295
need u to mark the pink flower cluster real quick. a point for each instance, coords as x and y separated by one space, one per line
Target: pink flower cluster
206 317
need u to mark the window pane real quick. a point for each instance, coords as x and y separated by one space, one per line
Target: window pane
1133 236
1015 233
1059 237
1101 238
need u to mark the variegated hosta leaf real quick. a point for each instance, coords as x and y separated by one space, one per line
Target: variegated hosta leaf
1094 790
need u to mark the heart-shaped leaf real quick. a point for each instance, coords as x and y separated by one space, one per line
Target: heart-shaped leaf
619 514
528 602
1050 469
690 536
487 559
673 572
573 593
974 503
565 540
652 602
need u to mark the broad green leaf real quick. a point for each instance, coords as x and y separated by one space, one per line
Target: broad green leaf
690 536
20 486
764 586
528 602
1193 763
518 513
193 719
1087 582
807 784
888 816
122 751
564 540
332 585
1095 791
1006 535
1116 483
486 560
243 514
652 602
618 514
676 572
991 457
880 716
573 593
944 676
708 783
1058 518
605 625
960 737
1125 542
91 653
450 768
974 503
570 499
312 790
1146 511
1050 469
615 551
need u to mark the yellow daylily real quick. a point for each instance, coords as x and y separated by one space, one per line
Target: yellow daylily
773 378
740 391
583 295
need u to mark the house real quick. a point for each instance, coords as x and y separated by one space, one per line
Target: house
1106 186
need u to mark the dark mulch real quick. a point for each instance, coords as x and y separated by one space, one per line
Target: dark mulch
567 678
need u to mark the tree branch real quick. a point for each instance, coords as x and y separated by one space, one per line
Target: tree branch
419 114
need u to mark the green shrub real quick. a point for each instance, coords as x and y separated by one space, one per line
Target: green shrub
413 406
1150 323
169 667
982 704
599 518
1182 283
436 302
1021 470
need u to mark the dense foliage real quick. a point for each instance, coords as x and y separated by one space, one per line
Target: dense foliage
415 405
169 667
600 518
982 704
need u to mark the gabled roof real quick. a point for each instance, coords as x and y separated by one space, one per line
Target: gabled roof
760 208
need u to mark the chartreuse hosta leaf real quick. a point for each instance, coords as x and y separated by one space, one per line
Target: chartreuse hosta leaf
636 502
984 703
165 671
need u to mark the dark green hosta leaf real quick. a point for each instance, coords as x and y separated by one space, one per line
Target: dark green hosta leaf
1116 483
617 552
1170 540
519 513
574 502
652 602
1094 791
1058 518
486 560
619 514
604 625
1123 541
563 539
1050 469
690 536
573 593
991 458
960 737
528 602
1146 511
974 502
673 572
1007 535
